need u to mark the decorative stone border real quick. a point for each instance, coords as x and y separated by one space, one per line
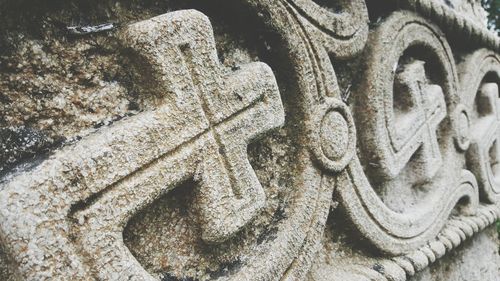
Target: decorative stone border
452 22
457 230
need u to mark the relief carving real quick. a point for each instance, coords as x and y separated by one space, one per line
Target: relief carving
323 143
480 74
401 111
341 26
201 132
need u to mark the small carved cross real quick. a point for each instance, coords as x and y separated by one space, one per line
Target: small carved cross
425 109
484 152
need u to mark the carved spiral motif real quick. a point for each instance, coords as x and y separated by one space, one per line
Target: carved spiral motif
480 76
398 117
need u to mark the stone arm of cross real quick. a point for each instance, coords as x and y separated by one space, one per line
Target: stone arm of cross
77 202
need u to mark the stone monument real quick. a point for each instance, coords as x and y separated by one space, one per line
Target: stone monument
249 140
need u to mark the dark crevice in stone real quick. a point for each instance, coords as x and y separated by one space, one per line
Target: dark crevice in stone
226 268
23 144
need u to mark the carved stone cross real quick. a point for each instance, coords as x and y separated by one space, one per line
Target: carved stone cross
83 196
419 109
230 109
484 153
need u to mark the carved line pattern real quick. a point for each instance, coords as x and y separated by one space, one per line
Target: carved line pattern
325 95
322 90
322 86
343 34
457 230
307 9
448 19
312 52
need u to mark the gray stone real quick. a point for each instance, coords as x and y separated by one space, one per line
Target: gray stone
248 140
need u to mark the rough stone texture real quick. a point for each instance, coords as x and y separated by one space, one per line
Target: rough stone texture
248 140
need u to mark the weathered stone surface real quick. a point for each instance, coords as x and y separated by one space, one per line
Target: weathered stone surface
248 140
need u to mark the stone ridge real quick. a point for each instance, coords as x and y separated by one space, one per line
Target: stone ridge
457 230
454 23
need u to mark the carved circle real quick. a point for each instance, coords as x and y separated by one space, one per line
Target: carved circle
462 138
335 136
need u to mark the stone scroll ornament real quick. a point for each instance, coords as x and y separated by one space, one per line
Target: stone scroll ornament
65 218
340 26
310 32
480 75
407 117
